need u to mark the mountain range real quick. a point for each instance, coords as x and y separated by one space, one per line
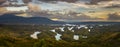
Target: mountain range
13 19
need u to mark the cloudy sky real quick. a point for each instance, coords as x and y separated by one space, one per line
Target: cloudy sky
91 10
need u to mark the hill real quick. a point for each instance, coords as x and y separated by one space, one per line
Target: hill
12 19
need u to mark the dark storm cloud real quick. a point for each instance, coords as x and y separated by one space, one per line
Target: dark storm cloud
99 0
113 6
113 16
27 1
96 1
2 1
91 1
59 0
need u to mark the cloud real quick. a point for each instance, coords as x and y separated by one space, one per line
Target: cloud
96 1
84 17
80 17
57 6
82 4
2 1
114 16
33 7
59 0
102 4
78 6
27 1
113 6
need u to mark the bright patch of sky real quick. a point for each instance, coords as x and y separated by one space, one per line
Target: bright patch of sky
20 2
57 6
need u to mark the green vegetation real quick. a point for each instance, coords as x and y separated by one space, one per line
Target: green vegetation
19 36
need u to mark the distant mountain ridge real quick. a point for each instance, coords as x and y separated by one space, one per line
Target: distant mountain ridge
99 22
12 19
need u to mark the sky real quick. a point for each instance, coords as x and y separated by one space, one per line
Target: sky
92 12
89 10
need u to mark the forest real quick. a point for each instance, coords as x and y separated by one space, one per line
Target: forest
98 36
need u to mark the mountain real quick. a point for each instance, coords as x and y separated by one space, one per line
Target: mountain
12 19
95 22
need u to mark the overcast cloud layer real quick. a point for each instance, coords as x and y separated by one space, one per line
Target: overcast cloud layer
93 10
